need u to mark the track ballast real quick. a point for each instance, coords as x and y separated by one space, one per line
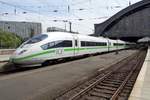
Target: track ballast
115 83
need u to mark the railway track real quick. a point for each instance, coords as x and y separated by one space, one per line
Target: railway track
115 83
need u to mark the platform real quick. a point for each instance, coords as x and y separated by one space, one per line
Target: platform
4 58
47 82
5 54
141 90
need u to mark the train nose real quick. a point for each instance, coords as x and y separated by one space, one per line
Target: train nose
21 52
17 54
12 57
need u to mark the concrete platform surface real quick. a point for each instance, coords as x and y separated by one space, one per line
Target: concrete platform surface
141 90
6 51
4 58
47 82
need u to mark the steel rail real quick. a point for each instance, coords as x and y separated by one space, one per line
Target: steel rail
116 94
94 84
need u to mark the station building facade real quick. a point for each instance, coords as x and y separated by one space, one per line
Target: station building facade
23 29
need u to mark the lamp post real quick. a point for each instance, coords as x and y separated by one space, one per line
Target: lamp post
65 24
65 21
70 27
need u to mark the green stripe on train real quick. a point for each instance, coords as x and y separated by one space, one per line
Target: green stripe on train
34 55
53 51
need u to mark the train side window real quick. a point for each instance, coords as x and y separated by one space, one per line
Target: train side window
83 43
87 43
102 44
57 44
118 44
65 43
45 46
51 45
36 38
48 45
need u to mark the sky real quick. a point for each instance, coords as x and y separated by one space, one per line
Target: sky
54 13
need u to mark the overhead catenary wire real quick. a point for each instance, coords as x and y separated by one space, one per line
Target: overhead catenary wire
37 12
70 7
16 6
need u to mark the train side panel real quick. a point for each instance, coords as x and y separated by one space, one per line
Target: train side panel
90 45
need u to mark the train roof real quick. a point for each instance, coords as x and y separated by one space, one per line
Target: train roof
66 34
56 35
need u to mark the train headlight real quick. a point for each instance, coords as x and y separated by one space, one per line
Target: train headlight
21 52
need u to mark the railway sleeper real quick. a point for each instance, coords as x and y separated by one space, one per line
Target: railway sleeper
100 95
118 78
129 85
103 91
124 94
126 90
122 98
119 75
131 81
111 83
110 80
107 88
92 98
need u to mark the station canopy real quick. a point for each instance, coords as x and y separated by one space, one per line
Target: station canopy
130 24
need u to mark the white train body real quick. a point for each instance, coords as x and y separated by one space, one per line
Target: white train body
55 45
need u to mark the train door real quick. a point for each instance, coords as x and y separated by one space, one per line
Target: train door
59 49
108 45
76 45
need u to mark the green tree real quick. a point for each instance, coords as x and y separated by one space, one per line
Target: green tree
9 40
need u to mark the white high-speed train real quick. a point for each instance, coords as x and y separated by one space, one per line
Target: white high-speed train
55 45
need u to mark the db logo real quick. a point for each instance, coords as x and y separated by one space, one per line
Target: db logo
59 51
